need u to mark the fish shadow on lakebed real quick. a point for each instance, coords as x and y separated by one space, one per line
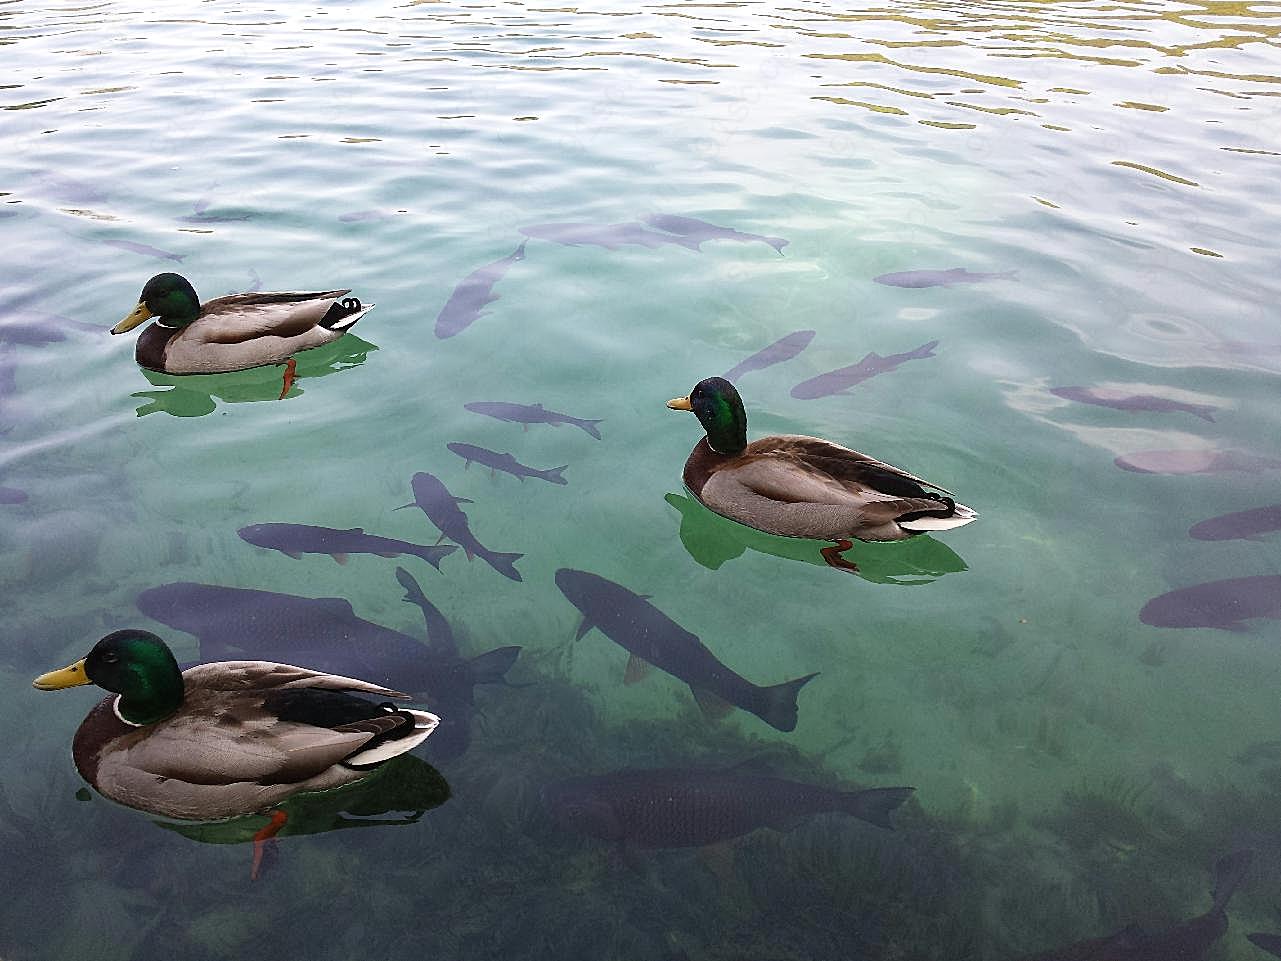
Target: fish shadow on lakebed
193 395
711 540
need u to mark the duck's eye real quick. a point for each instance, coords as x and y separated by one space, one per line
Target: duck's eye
111 658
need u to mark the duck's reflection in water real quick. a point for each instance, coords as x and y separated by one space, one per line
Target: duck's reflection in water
400 793
712 540
193 395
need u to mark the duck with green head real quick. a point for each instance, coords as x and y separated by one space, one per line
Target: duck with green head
234 332
800 486
227 738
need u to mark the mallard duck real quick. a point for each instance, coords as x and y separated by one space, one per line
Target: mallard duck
801 486
228 738
234 332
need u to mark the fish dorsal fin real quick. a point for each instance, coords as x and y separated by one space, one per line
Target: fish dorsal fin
956 271
537 406
712 706
637 670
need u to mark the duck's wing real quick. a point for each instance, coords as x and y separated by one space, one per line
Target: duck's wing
240 317
259 722
831 467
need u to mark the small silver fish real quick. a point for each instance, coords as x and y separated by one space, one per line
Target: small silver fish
785 348
145 249
941 278
843 378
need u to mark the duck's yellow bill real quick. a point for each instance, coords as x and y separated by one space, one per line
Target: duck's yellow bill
140 315
72 676
680 403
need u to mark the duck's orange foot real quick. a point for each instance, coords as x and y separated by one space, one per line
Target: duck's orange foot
263 837
834 559
290 366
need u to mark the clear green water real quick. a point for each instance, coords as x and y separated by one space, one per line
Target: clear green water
1075 769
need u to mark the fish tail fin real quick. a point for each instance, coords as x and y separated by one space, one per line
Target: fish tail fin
925 350
590 426
874 805
553 474
779 708
1205 412
778 243
492 666
413 590
1229 871
432 555
505 564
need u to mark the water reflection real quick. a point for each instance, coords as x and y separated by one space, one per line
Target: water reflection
193 395
711 540
405 787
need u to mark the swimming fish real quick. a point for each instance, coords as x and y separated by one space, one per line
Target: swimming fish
505 462
531 414
1185 941
472 294
651 637
145 249
440 636
700 231
1224 605
1120 400
29 330
941 278
785 348
678 808
359 216
298 539
441 507
1239 525
1195 462
1270 943
609 236
324 633
843 378
11 495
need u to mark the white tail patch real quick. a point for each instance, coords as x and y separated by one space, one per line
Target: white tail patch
346 322
962 516
424 724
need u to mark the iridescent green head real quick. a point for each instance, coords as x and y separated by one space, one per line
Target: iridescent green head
137 665
716 404
169 298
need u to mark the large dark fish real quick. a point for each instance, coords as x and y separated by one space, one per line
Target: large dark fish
609 236
941 278
1195 462
700 231
441 507
649 635
298 539
1119 400
505 462
472 294
530 414
843 378
1225 604
324 633
1185 941
145 249
678 808
785 348
11 495
1239 525
1270 943
439 634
